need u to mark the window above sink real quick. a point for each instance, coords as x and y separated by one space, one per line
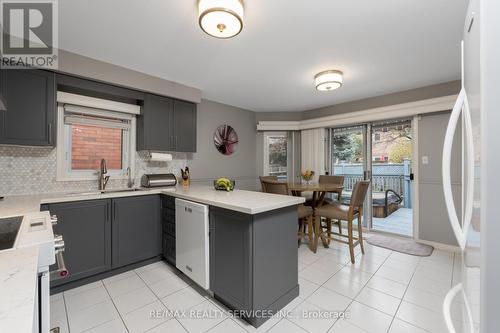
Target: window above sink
92 129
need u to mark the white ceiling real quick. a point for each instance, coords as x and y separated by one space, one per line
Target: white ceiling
382 46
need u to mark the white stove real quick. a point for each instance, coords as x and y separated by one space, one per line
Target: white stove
35 229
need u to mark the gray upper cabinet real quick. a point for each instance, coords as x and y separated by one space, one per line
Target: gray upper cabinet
31 101
185 126
86 230
136 229
155 124
166 125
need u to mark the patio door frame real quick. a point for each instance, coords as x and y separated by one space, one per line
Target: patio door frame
367 167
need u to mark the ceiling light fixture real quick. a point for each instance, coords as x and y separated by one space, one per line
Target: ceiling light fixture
328 80
221 18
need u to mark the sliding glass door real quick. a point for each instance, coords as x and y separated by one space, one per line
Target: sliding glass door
392 177
382 153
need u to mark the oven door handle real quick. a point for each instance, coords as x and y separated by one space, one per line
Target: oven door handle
61 272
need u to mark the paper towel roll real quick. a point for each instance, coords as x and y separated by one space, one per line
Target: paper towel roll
160 157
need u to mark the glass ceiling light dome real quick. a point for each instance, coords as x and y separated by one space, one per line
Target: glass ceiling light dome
328 80
221 18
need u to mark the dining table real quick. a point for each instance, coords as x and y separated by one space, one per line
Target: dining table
319 191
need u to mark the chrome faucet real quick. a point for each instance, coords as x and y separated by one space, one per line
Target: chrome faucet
130 181
103 179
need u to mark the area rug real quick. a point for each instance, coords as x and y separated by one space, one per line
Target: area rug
404 246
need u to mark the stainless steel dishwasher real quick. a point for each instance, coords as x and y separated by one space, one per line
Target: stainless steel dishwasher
192 241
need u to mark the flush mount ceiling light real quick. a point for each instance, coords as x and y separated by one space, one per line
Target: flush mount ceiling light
328 80
221 18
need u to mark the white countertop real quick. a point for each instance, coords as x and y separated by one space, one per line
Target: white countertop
18 280
22 204
248 202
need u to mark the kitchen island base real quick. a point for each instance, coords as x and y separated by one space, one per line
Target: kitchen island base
254 261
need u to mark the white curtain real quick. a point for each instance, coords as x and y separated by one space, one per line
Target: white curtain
313 151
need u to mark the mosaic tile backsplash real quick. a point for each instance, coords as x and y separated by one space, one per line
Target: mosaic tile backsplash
32 170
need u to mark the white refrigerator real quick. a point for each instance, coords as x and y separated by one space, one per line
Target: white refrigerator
473 302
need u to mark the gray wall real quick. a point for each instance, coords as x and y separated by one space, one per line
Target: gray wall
278 116
207 163
437 90
75 64
433 217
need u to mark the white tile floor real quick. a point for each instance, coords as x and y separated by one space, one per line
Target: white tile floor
384 291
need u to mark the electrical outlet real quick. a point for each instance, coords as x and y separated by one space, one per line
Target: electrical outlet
425 160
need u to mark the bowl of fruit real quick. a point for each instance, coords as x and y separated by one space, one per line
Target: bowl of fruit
307 175
224 184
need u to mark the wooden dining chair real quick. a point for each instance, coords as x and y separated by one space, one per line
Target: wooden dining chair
332 179
305 214
329 179
338 211
263 178
336 180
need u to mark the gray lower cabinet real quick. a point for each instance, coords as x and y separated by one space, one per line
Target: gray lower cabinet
231 257
86 229
136 229
102 235
31 102
254 260
166 125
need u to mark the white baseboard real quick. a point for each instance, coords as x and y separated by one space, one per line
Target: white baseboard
441 246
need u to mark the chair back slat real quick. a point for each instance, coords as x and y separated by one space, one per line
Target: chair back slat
331 179
275 187
359 194
267 178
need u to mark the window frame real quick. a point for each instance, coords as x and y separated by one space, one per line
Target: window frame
100 108
266 149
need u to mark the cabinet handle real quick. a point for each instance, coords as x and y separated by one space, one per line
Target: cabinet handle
49 126
176 142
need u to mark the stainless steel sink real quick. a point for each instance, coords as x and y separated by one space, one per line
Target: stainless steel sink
84 193
123 190
106 191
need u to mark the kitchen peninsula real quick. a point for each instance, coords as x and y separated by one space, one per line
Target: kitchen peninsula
252 245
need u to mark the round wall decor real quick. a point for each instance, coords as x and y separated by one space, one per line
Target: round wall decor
225 139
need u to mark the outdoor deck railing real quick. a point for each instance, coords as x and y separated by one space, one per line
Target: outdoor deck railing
379 183
385 176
